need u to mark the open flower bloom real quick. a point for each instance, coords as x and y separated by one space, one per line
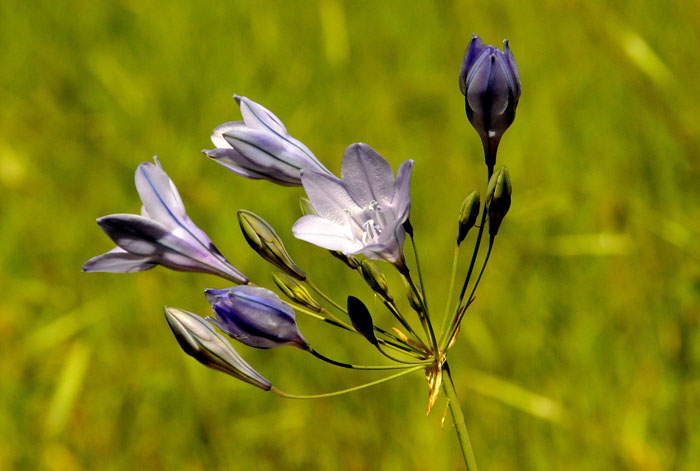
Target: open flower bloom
259 147
490 82
162 235
255 316
361 213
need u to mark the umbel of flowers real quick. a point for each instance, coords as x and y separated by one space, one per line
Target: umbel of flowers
361 218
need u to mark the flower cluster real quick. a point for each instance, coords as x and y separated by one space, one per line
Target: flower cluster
361 217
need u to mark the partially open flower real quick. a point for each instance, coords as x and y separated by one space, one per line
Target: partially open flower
162 235
259 147
255 316
361 213
490 82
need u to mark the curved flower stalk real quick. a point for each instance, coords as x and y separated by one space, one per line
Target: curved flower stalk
259 147
363 211
490 82
162 235
255 316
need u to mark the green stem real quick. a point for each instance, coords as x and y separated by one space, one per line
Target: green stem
397 314
424 298
462 308
363 367
476 252
274 390
424 318
458 419
325 296
445 322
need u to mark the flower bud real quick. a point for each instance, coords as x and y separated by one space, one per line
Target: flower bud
413 299
295 291
468 214
498 198
375 279
306 206
361 319
199 340
349 260
490 82
255 316
265 241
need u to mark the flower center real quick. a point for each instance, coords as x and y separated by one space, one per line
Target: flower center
371 231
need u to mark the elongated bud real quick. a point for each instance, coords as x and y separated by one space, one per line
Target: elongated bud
295 291
255 316
498 198
361 319
265 241
413 299
375 279
468 214
199 340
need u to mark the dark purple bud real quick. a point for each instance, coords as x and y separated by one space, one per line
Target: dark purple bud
255 316
361 319
490 82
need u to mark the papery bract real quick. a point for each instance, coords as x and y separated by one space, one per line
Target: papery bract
162 235
361 213
259 147
255 316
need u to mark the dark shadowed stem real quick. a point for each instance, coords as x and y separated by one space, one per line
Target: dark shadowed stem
458 418
423 298
462 308
398 360
481 272
473 261
274 390
396 343
363 367
424 318
453 275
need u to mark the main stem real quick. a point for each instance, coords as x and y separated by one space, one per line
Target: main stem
458 419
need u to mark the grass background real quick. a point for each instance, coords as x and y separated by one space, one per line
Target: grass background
581 351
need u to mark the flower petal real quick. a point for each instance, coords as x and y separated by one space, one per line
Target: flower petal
118 261
326 234
402 189
513 67
159 195
237 163
367 174
257 116
329 196
135 234
217 136
475 49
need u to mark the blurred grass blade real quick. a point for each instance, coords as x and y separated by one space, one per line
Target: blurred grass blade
68 385
517 397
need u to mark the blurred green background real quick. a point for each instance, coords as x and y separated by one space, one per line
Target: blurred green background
581 351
